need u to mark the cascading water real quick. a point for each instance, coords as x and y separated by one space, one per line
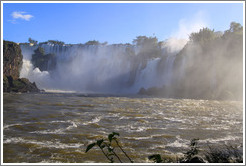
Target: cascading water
168 69
98 68
147 77
28 71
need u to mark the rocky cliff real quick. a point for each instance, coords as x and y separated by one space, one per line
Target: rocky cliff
12 59
12 62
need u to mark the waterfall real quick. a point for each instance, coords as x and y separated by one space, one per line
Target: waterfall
98 68
42 79
169 69
147 77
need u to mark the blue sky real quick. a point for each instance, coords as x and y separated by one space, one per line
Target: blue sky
113 22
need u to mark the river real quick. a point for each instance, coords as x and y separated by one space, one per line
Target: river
57 127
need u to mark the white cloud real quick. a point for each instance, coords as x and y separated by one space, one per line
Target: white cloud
187 26
21 15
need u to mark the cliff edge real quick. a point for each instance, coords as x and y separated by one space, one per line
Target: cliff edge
12 62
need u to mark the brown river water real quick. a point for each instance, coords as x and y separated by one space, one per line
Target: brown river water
57 127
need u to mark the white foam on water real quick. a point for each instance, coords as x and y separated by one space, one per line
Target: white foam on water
177 143
138 128
58 121
173 119
217 127
113 115
5 127
221 139
46 144
138 138
162 146
58 91
130 128
56 131
124 117
95 120
144 138
74 125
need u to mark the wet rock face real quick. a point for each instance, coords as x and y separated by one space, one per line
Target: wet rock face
12 62
12 59
18 85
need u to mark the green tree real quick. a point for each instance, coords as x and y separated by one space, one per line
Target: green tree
56 42
236 30
203 36
39 51
92 42
35 42
143 41
235 27
148 48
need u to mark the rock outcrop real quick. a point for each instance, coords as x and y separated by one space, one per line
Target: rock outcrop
12 62
12 59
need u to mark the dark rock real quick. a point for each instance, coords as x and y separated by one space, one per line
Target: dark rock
153 91
19 85
142 91
12 59
5 83
43 61
12 62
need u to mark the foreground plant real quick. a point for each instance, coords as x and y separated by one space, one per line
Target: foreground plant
191 156
224 154
107 149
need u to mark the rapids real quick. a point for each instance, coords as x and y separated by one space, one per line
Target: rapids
57 127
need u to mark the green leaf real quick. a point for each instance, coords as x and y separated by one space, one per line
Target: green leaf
110 136
99 142
156 158
110 149
89 147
